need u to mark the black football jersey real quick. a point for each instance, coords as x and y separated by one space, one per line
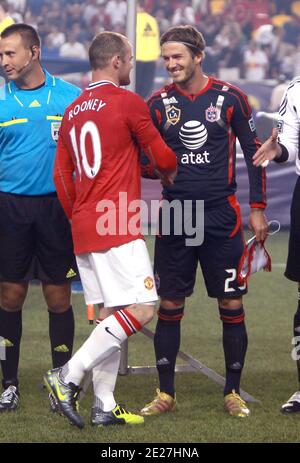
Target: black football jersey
202 130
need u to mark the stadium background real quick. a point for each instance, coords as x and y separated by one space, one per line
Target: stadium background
241 35
270 30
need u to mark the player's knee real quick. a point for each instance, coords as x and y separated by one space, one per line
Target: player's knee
142 312
232 318
13 296
231 304
148 312
170 315
172 304
58 304
57 297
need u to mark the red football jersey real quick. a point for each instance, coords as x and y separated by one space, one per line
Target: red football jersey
97 169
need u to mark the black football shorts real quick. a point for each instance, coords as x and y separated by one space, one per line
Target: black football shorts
35 240
175 263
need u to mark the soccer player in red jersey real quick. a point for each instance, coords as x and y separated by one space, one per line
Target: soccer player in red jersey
97 175
200 118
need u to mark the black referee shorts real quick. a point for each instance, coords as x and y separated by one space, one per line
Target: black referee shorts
35 240
292 271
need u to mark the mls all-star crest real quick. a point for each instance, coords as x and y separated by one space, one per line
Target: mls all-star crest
211 113
173 115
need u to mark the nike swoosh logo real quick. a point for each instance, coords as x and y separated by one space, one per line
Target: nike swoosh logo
109 332
61 397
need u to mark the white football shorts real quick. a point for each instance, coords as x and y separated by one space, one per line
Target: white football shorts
119 276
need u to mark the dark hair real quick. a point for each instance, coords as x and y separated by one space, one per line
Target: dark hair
188 35
104 46
29 35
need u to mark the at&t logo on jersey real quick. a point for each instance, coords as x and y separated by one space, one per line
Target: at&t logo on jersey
193 135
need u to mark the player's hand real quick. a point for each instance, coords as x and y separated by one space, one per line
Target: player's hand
147 171
168 179
258 224
268 151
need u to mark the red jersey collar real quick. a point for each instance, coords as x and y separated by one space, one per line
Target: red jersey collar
194 96
100 83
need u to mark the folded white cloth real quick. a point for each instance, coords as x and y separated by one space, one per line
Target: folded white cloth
254 259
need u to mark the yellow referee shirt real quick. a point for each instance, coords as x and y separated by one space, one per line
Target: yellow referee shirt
147 38
8 21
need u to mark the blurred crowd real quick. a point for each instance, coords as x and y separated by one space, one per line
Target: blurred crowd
251 39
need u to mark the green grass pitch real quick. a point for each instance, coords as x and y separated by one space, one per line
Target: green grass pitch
269 373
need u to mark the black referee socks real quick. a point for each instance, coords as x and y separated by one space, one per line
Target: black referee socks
11 333
61 332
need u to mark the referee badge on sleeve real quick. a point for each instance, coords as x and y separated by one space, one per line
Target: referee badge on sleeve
55 126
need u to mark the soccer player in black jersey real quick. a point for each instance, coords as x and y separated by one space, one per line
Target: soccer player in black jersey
200 118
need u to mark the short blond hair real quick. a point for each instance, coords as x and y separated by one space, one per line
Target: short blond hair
104 46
